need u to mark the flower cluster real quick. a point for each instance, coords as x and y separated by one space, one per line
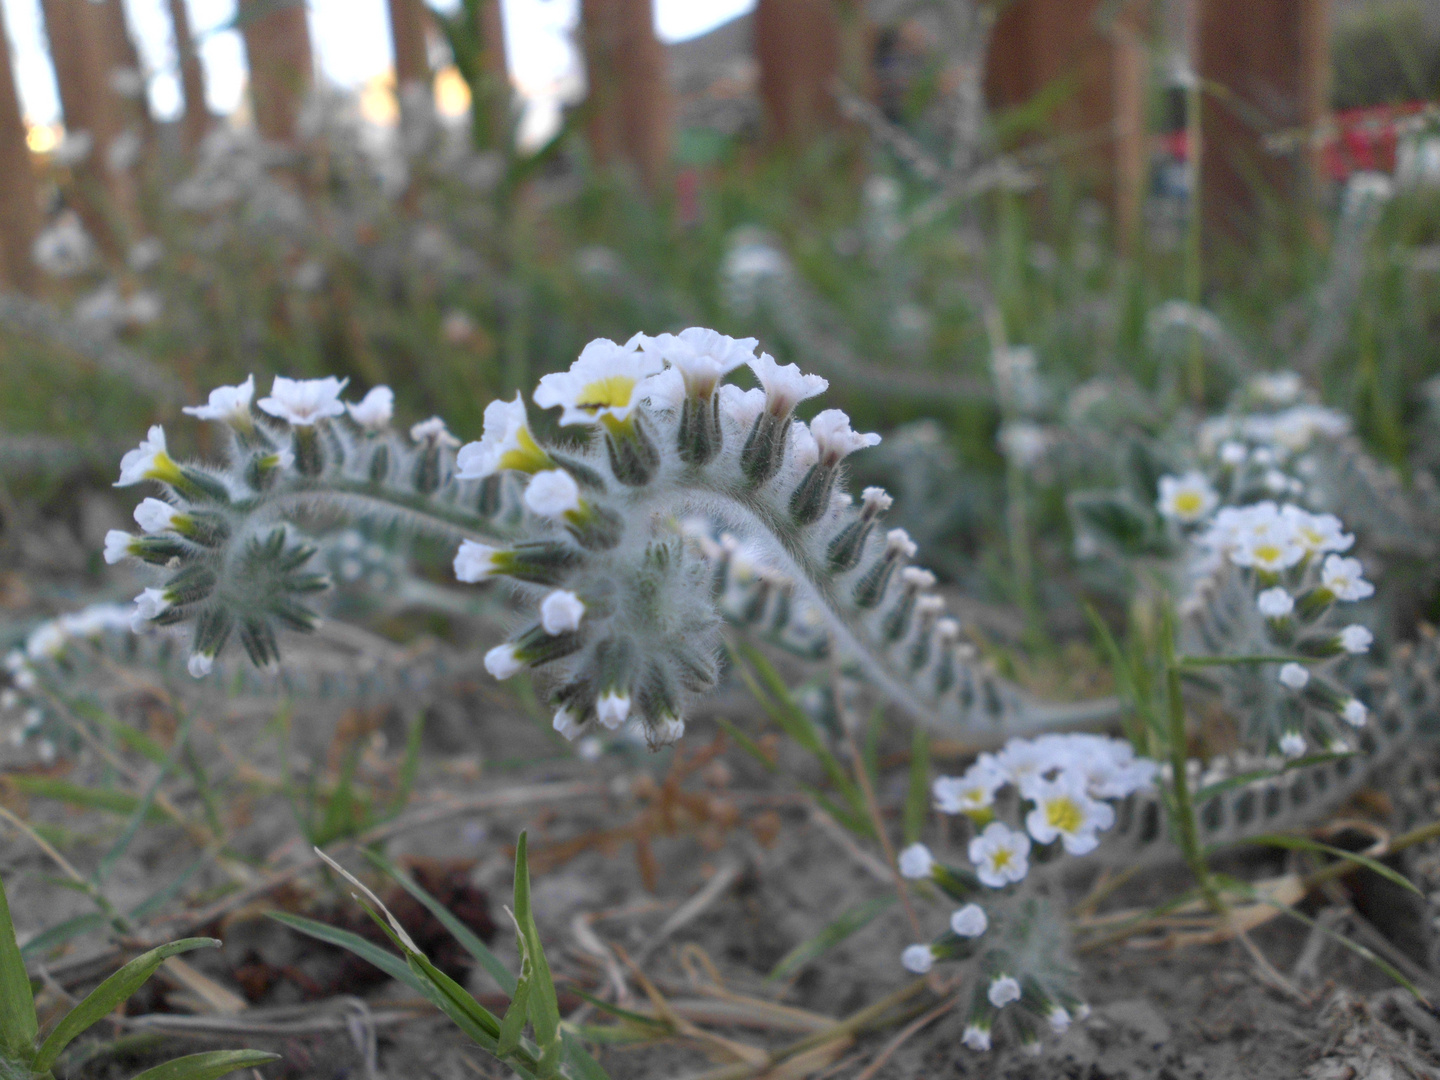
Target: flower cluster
1059 789
32 665
623 597
1289 560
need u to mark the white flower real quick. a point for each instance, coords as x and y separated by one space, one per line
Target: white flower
969 921
474 561
434 428
1003 990
1022 443
1264 539
1275 603
1233 453
46 749
973 791
1022 759
503 661
916 862
804 450
1295 676
1343 578
64 249
304 402
605 382
1000 855
1317 532
567 724
117 545
785 387
898 540
702 357
560 612
1059 1019
742 406
375 409
1356 638
1064 811
1276 388
154 515
146 460
613 709
1355 713
976 1037
506 444
552 493
1292 744
1187 498
148 605
665 390
918 958
230 404
200 665
46 642
669 730
831 429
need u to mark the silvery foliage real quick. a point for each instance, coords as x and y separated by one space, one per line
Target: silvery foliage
624 601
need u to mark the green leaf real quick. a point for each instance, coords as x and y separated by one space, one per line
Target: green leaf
458 930
1304 843
543 1004
1209 791
747 744
611 1009
208 1066
917 796
18 1026
409 767
848 923
387 962
478 1022
101 1001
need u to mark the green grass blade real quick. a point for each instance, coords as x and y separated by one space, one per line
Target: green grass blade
1304 843
147 802
1354 946
60 933
544 1006
211 1065
578 1063
18 1026
458 930
101 1001
1209 791
387 962
747 744
917 795
86 798
409 767
848 923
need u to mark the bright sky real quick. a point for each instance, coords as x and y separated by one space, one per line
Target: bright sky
352 41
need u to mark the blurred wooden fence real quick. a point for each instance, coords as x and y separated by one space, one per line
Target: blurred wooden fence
1264 63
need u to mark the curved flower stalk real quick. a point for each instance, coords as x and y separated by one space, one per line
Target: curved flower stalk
1036 800
622 606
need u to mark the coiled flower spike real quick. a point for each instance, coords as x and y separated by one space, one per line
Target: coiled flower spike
626 607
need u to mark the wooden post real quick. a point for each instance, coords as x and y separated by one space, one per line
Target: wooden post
19 196
277 49
108 202
496 69
797 46
124 72
1097 51
196 121
410 40
1265 67
629 98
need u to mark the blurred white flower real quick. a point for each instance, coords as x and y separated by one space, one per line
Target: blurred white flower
229 404
1344 578
970 921
375 409
604 383
304 402
1295 676
786 386
916 862
1356 639
1001 855
561 612
552 493
505 444
918 959
1187 499
502 661
1275 603
475 562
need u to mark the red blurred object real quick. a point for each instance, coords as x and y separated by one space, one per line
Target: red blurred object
1362 140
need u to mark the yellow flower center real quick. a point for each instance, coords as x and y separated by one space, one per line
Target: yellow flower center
1188 503
1064 814
527 455
1001 859
1311 539
1267 553
611 392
